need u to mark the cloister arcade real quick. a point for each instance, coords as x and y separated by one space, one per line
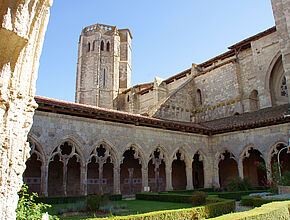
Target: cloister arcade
65 171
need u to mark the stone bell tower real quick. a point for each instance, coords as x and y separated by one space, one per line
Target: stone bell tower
104 65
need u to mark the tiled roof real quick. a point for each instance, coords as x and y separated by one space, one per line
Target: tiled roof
88 111
261 118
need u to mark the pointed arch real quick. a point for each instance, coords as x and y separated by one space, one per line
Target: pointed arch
108 46
139 153
250 155
227 166
102 45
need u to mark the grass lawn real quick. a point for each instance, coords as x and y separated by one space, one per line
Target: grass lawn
132 207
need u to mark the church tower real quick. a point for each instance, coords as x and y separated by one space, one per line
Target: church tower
104 65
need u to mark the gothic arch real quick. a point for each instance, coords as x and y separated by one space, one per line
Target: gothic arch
269 70
40 154
226 165
272 148
249 156
109 146
184 155
76 145
276 81
139 154
245 152
161 149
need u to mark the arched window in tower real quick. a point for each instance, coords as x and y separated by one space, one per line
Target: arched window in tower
89 47
94 45
254 100
102 46
104 78
108 46
198 97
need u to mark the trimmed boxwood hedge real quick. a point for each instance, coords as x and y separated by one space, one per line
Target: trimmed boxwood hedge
73 199
235 195
164 197
257 202
275 210
200 212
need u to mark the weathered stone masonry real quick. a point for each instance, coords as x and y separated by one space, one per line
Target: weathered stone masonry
22 28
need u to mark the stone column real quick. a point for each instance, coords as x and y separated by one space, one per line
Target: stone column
144 177
22 30
117 179
44 179
168 170
189 184
241 169
64 176
215 181
84 179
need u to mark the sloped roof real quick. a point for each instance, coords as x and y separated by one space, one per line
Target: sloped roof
261 118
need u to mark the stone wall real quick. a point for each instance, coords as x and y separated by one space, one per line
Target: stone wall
23 25
51 130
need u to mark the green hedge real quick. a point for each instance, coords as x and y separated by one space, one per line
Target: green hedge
257 202
164 197
190 191
235 195
200 212
275 210
73 199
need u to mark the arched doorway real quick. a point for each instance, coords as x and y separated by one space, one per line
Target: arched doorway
156 171
131 172
64 171
228 168
254 174
32 173
197 171
179 172
100 173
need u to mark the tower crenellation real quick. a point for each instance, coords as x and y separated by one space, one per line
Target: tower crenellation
104 65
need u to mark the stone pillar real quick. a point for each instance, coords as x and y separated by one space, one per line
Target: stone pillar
117 179
84 179
44 179
215 181
168 177
189 184
144 177
22 29
64 176
241 169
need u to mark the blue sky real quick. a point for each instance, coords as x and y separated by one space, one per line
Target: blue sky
168 35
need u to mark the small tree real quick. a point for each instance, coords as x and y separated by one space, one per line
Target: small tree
27 208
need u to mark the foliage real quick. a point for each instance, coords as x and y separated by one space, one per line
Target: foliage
166 197
113 197
59 209
74 199
285 180
198 198
27 208
235 195
94 202
238 184
256 201
275 210
61 199
206 211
